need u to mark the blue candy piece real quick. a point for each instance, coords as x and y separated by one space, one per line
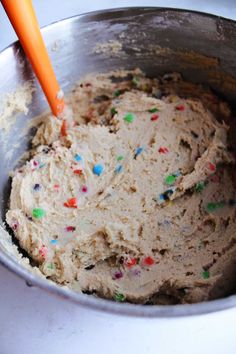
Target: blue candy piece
53 242
118 168
36 187
138 151
78 157
98 169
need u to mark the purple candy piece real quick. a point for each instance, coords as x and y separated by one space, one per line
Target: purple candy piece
117 274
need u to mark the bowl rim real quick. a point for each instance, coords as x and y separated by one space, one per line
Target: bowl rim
104 305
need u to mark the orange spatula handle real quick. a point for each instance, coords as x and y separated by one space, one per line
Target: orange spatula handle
24 21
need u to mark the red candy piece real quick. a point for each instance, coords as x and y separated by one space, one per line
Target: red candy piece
148 261
154 117
163 150
180 107
56 186
64 128
70 228
43 251
78 172
211 166
71 203
131 262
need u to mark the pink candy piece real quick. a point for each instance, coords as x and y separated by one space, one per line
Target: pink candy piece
84 189
70 228
15 225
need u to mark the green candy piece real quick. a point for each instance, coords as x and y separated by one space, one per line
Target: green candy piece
119 297
135 80
214 206
50 266
129 118
38 213
199 187
153 110
119 158
206 274
170 179
117 93
113 111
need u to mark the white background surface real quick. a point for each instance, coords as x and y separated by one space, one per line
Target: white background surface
32 322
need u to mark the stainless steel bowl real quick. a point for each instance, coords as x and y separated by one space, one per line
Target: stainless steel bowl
202 47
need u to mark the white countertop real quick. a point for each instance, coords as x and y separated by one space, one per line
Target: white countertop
32 321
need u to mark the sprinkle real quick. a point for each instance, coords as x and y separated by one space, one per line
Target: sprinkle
138 151
153 110
129 117
42 165
154 117
98 169
78 172
70 228
135 272
119 158
113 111
117 274
78 157
148 261
211 166
46 150
64 128
135 80
117 93
34 164
38 213
43 251
15 225
214 206
163 150
71 203
131 262
205 274
89 267
50 266
118 168
119 297
180 107
36 187
84 189
199 187
166 195
170 180
53 242
121 260
56 186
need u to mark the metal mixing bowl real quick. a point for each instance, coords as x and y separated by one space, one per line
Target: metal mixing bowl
143 33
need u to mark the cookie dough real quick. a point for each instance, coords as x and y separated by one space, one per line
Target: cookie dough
133 198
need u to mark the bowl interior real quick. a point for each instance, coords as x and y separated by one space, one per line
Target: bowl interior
201 47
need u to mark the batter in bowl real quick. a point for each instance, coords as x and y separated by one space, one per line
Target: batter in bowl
133 199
